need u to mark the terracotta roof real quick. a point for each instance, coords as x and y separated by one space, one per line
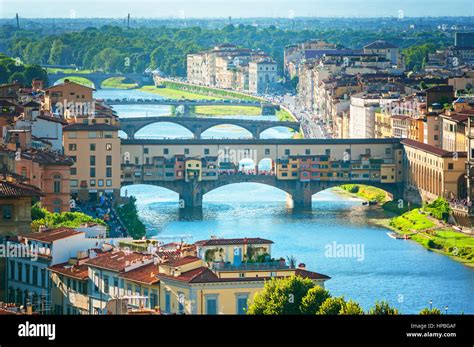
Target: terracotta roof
80 272
47 157
144 274
431 149
64 83
399 117
182 261
52 235
457 117
243 241
310 274
205 275
117 260
18 190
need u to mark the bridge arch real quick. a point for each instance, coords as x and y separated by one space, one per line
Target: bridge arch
165 130
76 79
208 128
278 132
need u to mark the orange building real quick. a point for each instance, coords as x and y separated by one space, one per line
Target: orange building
69 98
50 172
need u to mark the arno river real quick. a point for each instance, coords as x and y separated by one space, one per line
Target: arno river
402 272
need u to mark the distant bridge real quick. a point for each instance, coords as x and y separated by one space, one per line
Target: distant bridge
97 78
267 108
197 125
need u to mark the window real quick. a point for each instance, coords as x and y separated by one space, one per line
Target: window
242 300
73 147
186 151
6 212
106 284
206 151
72 135
92 160
92 135
166 151
92 183
211 304
145 150
108 183
367 151
327 151
388 151
73 171
108 172
267 151
101 183
20 272
287 151
92 146
57 184
92 172
167 302
153 298
108 135
450 166
108 146
307 151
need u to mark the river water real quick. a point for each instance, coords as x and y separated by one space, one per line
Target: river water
402 272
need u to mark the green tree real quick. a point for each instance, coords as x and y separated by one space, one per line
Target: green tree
313 300
383 308
129 215
351 308
17 77
56 53
281 296
332 306
427 311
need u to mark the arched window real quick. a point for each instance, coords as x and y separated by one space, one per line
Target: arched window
57 184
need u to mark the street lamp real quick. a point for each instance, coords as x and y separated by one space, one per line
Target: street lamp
431 305
446 308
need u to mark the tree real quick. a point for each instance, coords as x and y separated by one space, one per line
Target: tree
332 306
56 53
432 311
129 215
281 296
351 308
383 308
313 300
35 72
18 77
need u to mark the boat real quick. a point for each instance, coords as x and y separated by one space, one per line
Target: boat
396 236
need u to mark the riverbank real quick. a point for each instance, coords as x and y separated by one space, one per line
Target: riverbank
422 225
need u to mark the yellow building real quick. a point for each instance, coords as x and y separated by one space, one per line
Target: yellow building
454 132
433 172
193 169
94 145
74 96
288 168
383 125
191 285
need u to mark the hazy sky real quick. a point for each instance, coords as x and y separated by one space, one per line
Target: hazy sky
234 8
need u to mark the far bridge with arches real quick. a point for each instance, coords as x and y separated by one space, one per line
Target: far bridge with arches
197 125
97 78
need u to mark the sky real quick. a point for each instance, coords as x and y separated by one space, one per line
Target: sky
234 8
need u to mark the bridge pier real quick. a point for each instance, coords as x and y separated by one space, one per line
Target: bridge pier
300 197
191 195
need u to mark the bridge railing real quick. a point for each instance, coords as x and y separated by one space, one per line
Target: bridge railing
268 265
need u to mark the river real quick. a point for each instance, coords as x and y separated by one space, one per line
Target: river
402 272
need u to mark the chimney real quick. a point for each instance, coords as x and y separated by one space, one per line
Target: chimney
29 309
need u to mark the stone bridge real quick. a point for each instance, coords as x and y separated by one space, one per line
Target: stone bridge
267 108
197 125
98 77
299 193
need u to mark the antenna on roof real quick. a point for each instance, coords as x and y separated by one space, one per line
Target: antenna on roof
17 22
128 21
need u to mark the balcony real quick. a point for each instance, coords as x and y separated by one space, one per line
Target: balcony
267 265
